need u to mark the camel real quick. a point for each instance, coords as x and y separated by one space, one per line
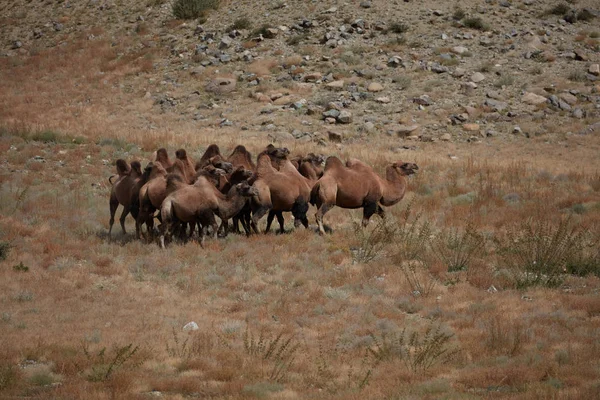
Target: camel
241 157
122 191
211 152
162 157
199 203
279 191
151 196
184 164
356 185
238 176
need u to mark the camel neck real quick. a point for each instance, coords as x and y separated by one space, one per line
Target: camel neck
231 204
394 187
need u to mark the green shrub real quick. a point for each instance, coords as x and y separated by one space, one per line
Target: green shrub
537 252
372 243
241 23
192 9
398 27
476 23
559 9
585 15
4 250
458 14
457 249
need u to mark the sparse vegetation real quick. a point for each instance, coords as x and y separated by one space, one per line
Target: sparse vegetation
458 249
398 27
559 9
4 249
192 9
241 23
476 23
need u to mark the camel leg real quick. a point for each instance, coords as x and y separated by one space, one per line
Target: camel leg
122 219
256 216
270 218
281 221
319 216
368 210
201 233
380 212
114 204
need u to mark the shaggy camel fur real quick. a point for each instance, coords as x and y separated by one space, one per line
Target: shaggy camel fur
151 196
279 191
184 164
242 157
212 151
239 175
356 185
162 157
122 191
199 203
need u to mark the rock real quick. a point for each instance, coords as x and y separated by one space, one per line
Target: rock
365 4
345 117
471 127
406 130
221 85
594 69
375 87
459 50
224 58
446 137
394 61
580 55
333 113
578 113
369 127
423 100
438 68
270 33
533 99
459 72
190 326
496 105
334 137
312 77
226 42
517 130
335 85
17 44
383 100
568 98
477 77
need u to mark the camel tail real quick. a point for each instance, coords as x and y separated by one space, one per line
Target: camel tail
314 193
166 211
110 180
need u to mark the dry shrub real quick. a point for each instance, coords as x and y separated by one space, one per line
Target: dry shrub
458 249
505 336
292 60
262 67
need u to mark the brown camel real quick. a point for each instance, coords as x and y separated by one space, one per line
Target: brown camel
162 157
122 191
279 191
211 152
242 157
151 196
185 165
199 203
239 175
356 185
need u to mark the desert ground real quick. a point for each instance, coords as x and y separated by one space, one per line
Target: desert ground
483 282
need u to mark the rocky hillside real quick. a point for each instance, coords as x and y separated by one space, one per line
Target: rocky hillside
309 71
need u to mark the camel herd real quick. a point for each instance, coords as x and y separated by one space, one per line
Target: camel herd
184 195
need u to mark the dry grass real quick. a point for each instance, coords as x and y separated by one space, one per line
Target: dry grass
280 316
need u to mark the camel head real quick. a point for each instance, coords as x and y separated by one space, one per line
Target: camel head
241 174
277 152
181 154
246 189
122 167
219 163
405 168
136 167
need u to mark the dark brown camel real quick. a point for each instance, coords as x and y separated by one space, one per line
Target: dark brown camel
356 185
122 191
184 164
199 203
242 157
162 157
211 152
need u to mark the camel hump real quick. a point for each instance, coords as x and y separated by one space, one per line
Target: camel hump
357 164
136 167
174 181
122 167
264 166
333 163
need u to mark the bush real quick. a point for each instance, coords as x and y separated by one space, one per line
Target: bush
4 250
241 23
585 15
537 252
372 243
398 27
559 9
192 9
458 14
458 249
476 23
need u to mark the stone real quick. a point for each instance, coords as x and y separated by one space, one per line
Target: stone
221 85
226 42
334 137
336 84
283 100
471 127
446 137
345 117
580 55
17 44
477 77
568 98
365 4
375 87
459 72
369 127
312 77
423 100
270 33
578 113
190 326
594 69
496 105
533 99
459 50
333 113
383 100
406 130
